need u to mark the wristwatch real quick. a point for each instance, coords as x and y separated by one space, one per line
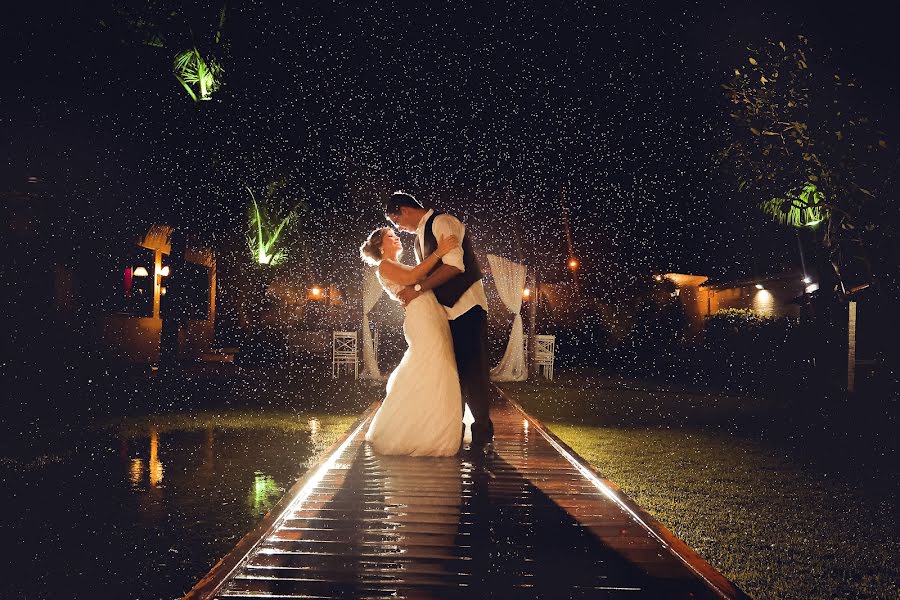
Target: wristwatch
418 287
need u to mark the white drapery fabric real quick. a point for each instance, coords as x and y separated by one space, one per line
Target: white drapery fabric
509 277
371 293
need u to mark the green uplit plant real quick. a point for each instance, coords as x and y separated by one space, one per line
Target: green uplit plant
803 151
264 234
803 208
175 26
192 71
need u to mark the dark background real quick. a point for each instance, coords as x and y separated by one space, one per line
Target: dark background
484 110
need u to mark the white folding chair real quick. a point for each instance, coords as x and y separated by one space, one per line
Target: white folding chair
344 352
544 354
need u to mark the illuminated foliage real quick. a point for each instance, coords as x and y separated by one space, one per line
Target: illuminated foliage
200 78
167 25
803 208
264 234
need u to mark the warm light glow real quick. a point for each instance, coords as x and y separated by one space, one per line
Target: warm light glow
316 292
759 286
162 291
807 280
764 303
658 277
135 470
525 424
526 293
164 271
573 263
141 272
314 426
156 467
812 288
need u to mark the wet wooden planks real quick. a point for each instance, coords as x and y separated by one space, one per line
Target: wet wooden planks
532 520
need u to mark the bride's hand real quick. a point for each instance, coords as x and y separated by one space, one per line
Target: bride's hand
447 243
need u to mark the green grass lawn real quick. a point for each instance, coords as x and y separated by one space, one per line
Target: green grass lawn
729 477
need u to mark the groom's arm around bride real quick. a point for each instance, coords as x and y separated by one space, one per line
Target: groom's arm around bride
452 263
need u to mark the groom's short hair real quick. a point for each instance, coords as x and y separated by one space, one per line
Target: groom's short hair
399 200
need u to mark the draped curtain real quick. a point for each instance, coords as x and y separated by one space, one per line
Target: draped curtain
371 293
509 277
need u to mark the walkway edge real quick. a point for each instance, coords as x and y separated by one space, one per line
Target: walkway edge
212 581
723 586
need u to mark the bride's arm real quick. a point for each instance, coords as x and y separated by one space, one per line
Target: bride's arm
397 273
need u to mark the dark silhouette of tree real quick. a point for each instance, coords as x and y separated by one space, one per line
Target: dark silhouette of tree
806 153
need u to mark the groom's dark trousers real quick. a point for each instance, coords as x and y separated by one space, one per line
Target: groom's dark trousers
470 346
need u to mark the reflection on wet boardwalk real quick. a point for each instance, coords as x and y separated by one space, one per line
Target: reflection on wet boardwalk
530 521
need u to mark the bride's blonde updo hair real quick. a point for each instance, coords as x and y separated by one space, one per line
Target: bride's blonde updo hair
370 251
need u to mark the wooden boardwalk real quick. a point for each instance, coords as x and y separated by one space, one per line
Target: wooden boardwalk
531 521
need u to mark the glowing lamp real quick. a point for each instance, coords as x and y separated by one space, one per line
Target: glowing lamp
573 264
658 277
807 280
316 292
759 286
141 272
164 271
162 291
526 293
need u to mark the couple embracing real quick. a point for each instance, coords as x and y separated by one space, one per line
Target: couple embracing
445 366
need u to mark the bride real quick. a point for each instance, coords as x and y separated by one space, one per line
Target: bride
422 410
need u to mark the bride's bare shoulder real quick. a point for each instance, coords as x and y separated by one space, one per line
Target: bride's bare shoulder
389 264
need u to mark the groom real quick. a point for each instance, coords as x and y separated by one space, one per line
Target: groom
456 282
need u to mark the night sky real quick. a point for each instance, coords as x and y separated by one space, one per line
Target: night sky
488 112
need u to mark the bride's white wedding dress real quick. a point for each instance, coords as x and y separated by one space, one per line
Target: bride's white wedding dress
422 410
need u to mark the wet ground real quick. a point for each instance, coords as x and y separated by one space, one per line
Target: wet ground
142 508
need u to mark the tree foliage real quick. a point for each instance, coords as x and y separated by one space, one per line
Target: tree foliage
804 151
265 229
189 30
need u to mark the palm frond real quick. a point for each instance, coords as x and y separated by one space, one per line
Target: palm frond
801 207
193 71
263 238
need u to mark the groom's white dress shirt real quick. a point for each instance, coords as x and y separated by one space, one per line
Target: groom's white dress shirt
447 225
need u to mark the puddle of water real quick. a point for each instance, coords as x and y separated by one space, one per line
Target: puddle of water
143 510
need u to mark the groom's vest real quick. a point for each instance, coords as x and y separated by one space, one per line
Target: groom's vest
451 291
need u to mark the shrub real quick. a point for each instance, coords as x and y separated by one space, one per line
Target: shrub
749 351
